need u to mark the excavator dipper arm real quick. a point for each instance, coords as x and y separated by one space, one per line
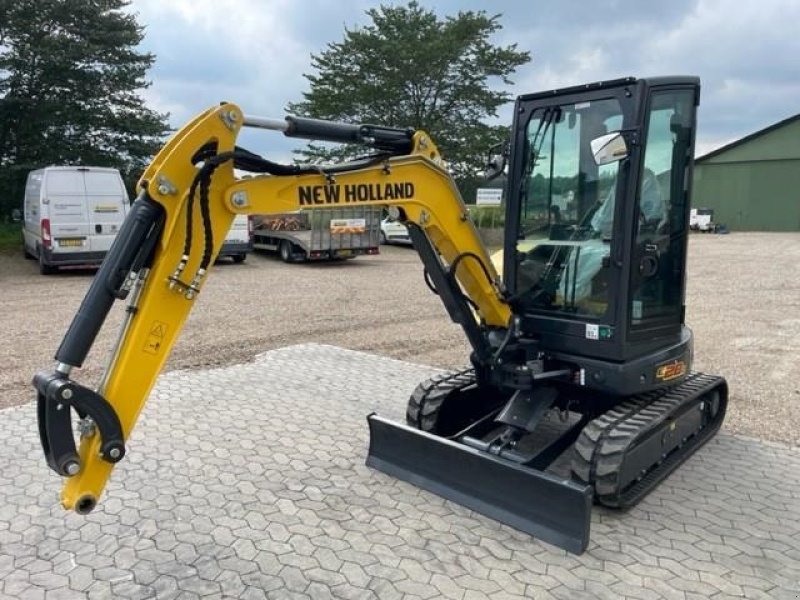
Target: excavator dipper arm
188 198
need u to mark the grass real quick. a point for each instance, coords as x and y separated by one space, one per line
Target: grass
10 236
489 217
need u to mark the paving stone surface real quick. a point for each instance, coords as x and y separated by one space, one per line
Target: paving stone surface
249 482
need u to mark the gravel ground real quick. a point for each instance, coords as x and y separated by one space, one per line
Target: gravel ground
743 304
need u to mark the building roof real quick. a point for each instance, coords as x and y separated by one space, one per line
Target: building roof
749 138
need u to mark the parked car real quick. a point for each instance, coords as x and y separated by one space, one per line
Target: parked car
393 232
72 215
702 219
237 243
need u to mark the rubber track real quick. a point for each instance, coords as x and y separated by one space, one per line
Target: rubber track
601 448
426 400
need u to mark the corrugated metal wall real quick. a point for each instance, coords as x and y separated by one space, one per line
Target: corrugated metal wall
751 196
755 185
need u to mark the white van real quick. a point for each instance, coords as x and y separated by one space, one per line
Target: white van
237 243
72 215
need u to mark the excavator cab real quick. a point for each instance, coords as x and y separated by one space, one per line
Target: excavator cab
597 209
596 224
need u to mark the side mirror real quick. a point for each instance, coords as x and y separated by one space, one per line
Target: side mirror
496 164
609 148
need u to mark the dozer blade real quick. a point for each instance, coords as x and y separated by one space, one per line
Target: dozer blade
553 509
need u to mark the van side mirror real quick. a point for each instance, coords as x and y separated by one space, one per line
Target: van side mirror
609 148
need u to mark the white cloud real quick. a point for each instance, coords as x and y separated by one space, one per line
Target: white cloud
254 52
212 50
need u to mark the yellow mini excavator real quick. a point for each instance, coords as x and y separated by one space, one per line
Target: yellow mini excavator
586 323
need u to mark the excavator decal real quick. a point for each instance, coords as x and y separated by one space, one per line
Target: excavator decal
671 370
332 193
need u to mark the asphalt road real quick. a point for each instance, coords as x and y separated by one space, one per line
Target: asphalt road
743 304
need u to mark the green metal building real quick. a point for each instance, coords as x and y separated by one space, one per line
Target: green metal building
753 184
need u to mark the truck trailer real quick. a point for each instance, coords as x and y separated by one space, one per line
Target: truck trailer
322 234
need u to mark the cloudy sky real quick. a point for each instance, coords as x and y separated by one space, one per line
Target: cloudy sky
254 52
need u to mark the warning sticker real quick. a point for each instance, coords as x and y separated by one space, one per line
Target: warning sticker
155 339
592 331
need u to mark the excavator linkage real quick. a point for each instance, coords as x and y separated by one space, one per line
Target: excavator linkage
551 508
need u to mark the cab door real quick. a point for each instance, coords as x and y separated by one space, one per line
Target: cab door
107 204
661 215
563 235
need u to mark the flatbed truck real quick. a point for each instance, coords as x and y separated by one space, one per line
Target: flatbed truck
322 234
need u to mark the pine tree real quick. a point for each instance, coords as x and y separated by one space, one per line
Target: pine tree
409 68
70 83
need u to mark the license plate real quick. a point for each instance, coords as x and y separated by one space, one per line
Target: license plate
344 253
70 242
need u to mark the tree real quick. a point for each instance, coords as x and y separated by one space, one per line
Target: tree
410 68
70 78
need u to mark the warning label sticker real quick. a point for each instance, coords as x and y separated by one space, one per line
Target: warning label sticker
155 339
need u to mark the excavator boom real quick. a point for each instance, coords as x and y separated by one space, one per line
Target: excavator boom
159 263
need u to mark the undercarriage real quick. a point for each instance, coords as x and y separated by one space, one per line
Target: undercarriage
473 445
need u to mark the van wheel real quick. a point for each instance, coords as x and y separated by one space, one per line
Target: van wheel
239 258
286 251
44 268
